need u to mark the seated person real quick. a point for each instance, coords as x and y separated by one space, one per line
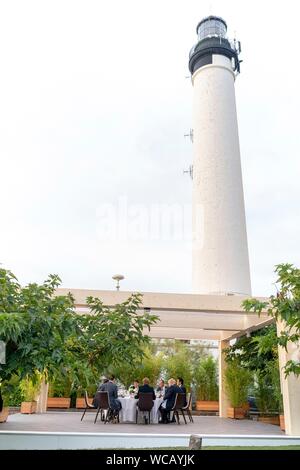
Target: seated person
101 388
145 388
161 389
112 389
169 400
182 387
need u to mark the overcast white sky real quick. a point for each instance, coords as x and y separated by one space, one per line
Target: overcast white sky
93 108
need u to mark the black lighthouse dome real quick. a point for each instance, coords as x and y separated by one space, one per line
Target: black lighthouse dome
212 39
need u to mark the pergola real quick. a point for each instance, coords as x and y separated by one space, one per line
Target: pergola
185 316
204 317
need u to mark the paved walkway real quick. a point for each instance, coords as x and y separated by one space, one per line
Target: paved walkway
70 422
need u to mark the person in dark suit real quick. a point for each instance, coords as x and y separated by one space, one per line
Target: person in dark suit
161 389
169 400
180 384
102 387
145 388
182 387
112 389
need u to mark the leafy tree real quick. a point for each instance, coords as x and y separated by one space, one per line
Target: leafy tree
283 307
45 335
36 326
110 337
254 352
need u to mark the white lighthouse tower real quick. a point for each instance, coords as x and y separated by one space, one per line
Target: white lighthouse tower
220 249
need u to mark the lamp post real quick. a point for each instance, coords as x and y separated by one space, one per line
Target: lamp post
118 278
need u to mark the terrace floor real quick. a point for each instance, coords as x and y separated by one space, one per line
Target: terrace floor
70 422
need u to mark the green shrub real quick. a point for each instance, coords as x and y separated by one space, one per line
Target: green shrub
150 366
178 364
267 388
237 382
30 387
206 379
61 385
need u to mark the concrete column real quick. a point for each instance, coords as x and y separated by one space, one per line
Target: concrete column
290 387
224 402
42 399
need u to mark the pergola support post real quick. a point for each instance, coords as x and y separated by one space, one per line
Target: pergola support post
43 397
290 387
224 402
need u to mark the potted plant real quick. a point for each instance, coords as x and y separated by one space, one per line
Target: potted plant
206 384
237 381
266 397
4 402
59 392
30 389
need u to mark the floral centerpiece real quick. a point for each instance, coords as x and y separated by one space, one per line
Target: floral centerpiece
132 390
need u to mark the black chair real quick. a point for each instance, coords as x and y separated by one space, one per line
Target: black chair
145 403
188 406
179 405
102 398
88 405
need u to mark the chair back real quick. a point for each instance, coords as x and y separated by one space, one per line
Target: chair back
189 401
145 402
103 400
86 399
179 401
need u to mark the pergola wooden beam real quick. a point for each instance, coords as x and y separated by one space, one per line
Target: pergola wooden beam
184 316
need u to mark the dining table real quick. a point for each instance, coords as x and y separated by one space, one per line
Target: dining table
128 411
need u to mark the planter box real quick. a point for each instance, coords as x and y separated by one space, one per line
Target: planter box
28 407
237 413
58 402
269 419
80 402
207 405
4 414
281 422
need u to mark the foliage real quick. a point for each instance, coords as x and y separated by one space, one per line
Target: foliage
110 337
13 391
256 351
44 334
206 379
259 354
237 382
267 388
36 326
61 385
178 364
30 387
284 307
4 394
149 366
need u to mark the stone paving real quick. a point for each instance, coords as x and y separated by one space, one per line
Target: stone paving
70 422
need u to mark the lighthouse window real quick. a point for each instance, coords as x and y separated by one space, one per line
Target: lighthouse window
212 28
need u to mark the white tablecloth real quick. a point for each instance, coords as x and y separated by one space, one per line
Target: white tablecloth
127 413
